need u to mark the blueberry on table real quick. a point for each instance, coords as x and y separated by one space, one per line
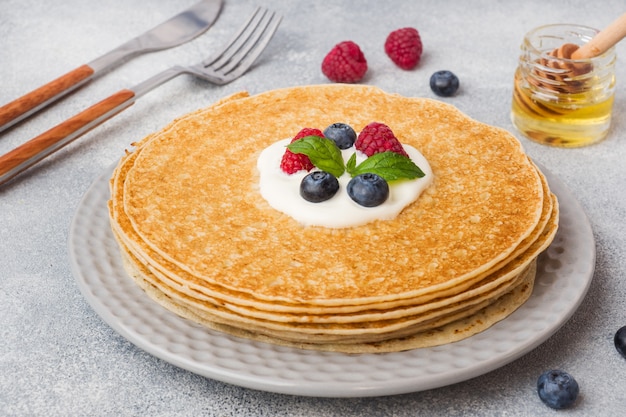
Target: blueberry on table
368 190
444 83
342 134
620 341
557 389
318 186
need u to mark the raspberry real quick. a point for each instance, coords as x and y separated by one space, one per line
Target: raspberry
377 137
294 162
404 47
345 63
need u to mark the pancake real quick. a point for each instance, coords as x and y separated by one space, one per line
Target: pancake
197 236
369 330
495 284
453 331
444 222
186 282
374 327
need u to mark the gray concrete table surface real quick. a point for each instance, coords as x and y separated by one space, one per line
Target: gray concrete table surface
57 357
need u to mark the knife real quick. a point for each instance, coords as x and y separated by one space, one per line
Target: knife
179 29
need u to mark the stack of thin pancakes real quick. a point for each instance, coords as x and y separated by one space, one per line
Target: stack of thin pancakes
197 236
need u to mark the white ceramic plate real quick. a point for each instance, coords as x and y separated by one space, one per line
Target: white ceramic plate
564 273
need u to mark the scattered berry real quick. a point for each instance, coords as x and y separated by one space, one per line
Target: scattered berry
291 162
345 63
318 186
557 389
404 47
378 137
620 341
444 83
368 190
342 134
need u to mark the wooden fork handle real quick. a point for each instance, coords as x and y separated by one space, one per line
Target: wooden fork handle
37 99
38 148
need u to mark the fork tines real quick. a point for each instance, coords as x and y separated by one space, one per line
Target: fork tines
247 44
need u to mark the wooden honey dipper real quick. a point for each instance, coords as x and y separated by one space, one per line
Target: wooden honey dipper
567 69
598 45
604 40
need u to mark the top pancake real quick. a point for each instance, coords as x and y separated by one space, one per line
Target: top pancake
192 196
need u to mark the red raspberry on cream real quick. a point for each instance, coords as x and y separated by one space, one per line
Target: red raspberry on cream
291 162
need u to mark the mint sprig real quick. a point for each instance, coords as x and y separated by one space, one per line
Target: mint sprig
322 152
325 155
389 165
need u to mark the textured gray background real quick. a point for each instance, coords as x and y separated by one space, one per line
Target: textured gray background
58 358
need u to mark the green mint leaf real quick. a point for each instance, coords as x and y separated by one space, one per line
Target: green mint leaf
351 164
389 165
322 152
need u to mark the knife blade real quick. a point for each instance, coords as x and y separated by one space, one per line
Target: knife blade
177 30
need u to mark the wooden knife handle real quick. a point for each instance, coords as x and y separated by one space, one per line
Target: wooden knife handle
36 149
24 106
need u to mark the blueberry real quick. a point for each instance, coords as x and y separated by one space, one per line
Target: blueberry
318 186
620 341
444 83
557 389
342 134
368 190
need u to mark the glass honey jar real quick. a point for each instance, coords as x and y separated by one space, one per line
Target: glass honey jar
561 101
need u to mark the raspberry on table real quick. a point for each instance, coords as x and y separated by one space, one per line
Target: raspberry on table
294 162
404 47
378 137
345 63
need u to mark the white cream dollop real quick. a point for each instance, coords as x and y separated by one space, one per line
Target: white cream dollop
282 192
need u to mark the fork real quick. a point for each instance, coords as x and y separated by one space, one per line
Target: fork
236 57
